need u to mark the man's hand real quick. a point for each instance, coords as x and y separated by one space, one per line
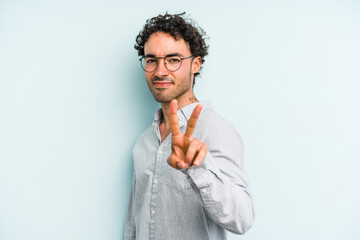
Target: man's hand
185 150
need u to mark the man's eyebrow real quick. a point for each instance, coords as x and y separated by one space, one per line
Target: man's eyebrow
174 54
150 55
168 55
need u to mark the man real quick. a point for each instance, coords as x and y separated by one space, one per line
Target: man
188 180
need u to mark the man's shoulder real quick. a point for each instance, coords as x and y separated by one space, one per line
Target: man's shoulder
209 118
216 130
146 135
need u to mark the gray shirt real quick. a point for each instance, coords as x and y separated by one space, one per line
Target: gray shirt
196 203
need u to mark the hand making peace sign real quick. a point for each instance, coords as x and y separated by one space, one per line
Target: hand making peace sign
185 150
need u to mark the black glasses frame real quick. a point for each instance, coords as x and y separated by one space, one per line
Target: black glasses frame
157 62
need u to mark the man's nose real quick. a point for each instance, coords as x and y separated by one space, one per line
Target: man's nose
161 68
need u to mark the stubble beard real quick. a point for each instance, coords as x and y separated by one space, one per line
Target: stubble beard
165 95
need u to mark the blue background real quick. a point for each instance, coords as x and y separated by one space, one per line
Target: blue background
73 100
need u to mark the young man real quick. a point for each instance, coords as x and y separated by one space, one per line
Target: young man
189 181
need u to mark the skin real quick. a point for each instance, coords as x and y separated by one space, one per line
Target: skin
174 90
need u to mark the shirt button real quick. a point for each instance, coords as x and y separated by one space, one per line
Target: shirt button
191 171
204 190
153 212
160 152
155 181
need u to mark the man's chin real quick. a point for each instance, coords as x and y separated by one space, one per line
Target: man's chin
161 99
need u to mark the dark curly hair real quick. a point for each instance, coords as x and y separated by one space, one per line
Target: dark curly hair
178 27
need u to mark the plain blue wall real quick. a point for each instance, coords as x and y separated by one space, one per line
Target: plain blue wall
73 100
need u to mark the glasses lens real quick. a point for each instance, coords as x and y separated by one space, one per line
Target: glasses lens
173 63
149 64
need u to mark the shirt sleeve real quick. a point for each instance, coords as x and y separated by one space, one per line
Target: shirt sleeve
221 184
130 229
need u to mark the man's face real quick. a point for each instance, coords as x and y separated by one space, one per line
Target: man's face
166 85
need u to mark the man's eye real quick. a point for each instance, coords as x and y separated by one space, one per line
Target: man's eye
174 60
150 60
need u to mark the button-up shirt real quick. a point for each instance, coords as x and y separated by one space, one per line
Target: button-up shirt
196 203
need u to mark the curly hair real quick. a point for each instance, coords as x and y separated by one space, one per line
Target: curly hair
178 27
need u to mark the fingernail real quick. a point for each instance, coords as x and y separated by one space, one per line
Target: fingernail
182 165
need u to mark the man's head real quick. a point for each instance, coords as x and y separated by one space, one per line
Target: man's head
172 52
179 28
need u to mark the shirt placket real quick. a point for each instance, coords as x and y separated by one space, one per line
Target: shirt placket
161 156
156 184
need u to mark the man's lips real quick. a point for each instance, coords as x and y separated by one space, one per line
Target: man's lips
162 84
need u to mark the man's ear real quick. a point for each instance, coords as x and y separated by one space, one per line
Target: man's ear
196 64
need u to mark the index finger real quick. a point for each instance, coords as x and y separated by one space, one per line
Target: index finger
192 121
174 121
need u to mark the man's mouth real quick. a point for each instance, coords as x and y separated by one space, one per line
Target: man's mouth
162 84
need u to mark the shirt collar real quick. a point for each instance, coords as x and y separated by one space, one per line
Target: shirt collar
183 113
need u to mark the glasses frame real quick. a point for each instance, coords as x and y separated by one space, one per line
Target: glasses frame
165 63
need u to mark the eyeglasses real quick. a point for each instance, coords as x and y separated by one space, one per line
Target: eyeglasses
172 63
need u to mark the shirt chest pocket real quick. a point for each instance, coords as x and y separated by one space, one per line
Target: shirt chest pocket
176 179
